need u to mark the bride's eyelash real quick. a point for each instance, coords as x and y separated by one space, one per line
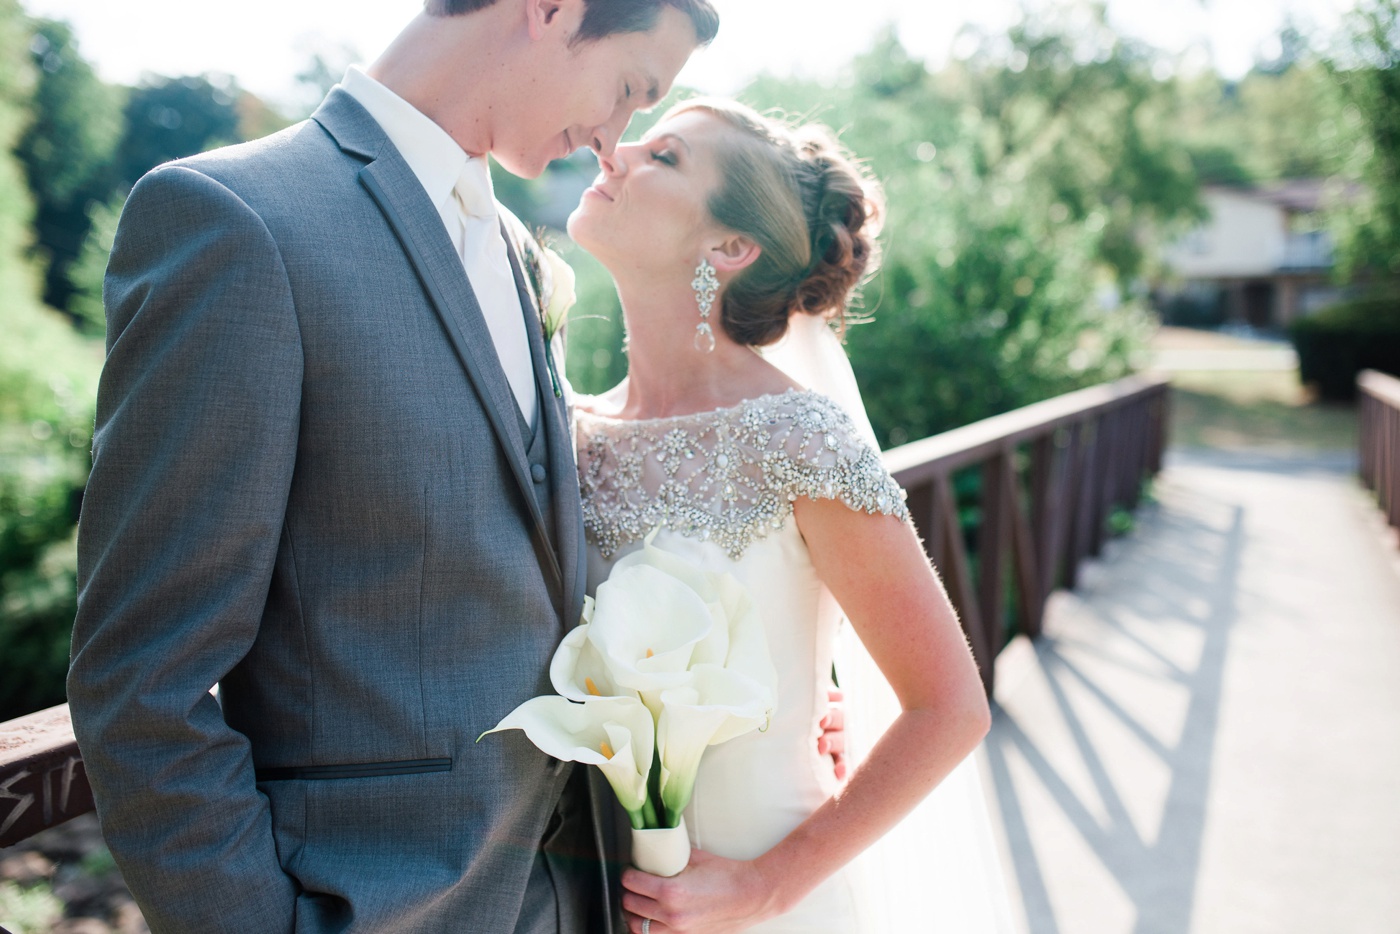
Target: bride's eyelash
665 156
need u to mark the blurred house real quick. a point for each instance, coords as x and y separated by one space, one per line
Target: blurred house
1263 259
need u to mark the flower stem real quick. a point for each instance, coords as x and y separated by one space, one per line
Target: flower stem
648 812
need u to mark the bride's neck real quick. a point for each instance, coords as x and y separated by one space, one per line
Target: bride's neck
666 374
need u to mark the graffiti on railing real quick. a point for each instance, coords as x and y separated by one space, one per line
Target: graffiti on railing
53 790
42 779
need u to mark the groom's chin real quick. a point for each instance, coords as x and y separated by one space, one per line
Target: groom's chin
525 166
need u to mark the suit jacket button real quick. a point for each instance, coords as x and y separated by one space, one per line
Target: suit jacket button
537 473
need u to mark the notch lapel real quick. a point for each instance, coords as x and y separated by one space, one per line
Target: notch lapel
415 222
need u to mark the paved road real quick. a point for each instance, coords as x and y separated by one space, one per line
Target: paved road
1207 741
1260 358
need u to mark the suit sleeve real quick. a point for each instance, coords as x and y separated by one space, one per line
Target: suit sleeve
193 452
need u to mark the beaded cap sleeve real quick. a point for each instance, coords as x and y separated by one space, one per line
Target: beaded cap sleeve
730 475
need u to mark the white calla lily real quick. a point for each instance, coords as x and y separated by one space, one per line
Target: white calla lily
738 640
668 660
578 670
646 625
617 734
715 707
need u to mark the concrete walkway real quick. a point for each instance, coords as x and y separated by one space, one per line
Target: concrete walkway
1207 740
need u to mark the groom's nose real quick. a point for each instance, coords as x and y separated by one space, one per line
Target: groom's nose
605 136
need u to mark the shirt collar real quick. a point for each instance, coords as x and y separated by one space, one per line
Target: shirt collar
430 152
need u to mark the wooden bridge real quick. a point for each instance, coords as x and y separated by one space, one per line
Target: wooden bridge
1197 724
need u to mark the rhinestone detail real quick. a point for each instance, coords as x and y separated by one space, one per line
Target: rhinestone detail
730 475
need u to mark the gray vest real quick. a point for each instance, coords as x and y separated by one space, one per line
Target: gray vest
537 451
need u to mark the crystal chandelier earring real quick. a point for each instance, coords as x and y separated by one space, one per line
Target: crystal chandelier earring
704 285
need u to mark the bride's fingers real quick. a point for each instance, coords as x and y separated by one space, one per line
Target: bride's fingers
835 718
832 744
642 883
636 923
641 907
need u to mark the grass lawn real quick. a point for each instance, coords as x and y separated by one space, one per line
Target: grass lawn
1254 410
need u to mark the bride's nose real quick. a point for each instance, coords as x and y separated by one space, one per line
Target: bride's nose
615 163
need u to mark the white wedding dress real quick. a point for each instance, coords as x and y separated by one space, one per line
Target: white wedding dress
720 486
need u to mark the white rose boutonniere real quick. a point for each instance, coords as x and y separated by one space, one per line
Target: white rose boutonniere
552 281
558 295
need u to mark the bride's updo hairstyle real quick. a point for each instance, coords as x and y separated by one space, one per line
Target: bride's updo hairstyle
813 211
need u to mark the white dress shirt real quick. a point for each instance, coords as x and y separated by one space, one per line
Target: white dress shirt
459 186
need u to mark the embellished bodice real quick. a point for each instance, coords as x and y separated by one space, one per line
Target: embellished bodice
719 487
729 475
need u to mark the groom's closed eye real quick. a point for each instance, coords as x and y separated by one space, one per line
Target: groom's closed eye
652 96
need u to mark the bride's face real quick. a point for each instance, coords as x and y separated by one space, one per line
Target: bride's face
647 210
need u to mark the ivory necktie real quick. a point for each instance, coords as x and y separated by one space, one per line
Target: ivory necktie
484 258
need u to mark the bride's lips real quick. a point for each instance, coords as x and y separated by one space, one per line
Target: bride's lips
598 193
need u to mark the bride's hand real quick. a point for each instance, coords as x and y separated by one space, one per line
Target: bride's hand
712 895
832 741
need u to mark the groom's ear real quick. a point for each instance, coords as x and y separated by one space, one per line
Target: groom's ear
541 15
733 254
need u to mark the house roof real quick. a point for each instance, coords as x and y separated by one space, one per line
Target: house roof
1297 195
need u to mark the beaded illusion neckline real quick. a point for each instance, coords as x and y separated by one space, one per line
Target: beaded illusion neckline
728 475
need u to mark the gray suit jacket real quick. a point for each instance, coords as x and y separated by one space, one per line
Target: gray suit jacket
310 486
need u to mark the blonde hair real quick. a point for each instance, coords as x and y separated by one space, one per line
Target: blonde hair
811 208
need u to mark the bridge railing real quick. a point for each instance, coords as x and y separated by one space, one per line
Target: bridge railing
1378 398
1051 474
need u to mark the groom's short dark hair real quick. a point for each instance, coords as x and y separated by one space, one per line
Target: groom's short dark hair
603 18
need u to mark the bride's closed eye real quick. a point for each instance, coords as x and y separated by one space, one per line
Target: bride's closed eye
664 155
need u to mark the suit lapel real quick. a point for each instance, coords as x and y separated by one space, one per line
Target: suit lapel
568 515
416 224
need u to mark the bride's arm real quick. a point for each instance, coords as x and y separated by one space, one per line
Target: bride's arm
875 567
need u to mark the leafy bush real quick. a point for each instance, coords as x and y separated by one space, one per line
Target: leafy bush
28 909
87 273
1339 342
48 377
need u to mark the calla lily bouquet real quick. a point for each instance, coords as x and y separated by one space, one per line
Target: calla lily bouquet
668 660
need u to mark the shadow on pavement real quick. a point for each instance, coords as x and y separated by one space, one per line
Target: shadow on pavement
1088 682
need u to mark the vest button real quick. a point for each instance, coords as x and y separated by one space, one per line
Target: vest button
537 473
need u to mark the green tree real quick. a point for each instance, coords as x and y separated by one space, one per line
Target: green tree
1079 110
999 235
1367 70
169 118
47 384
1269 125
67 149
87 273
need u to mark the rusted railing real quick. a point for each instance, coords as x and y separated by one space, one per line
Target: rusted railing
1051 475
1086 453
42 782
1379 437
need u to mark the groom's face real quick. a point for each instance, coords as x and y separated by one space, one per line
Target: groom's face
584 94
